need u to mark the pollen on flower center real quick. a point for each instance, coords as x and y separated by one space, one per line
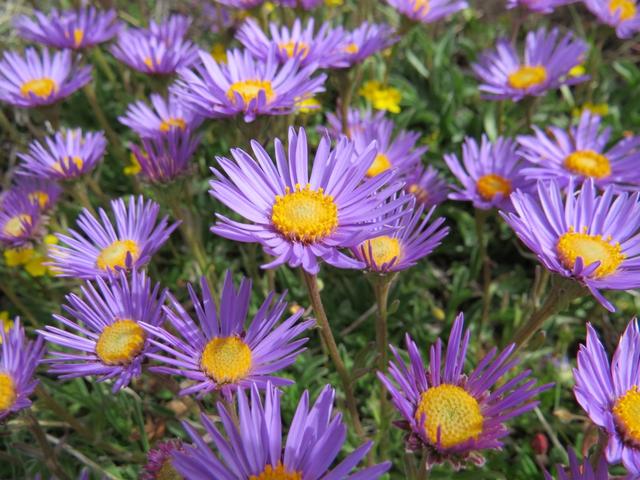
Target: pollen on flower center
528 76
173 122
588 163
40 87
115 255
382 250
351 48
422 6
625 8
626 412
379 165
591 248
120 342
78 36
280 472
305 215
250 89
452 412
420 193
489 186
16 226
292 47
7 392
66 164
226 359
39 198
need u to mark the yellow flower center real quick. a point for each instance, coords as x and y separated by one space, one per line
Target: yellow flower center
588 163
149 62
278 473
7 392
115 255
78 36
351 48
380 164
420 193
422 6
226 359
489 186
625 8
451 410
17 225
591 248
120 342
528 76
249 90
626 412
383 250
64 164
173 122
168 472
39 198
305 215
40 87
301 49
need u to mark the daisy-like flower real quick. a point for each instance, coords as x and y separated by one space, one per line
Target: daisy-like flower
363 42
255 449
220 352
110 342
36 79
538 6
428 11
453 415
623 15
489 172
101 248
165 116
20 220
545 66
587 237
171 29
18 363
304 4
581 470
63 156
426 185
300 216
357 121
582 152
242 4
244 85
73 29
160 462
40 192
610 393
303 43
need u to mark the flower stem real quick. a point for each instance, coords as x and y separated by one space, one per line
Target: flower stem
81 194
114 140
47 451
19 304
481 221
8 127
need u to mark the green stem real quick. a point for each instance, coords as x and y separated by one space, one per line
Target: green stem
8 127
481 221
114 140
19 304
346 93
48 453
102 63
81 194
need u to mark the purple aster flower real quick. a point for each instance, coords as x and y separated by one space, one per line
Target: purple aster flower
166 116
623 15
101 248
300 216
581 470
20 220
20 358
357 121
74 29
426 185
412 239
363 42
591 238
428 11
610 393
241 4
160 462
110 342
538 6
546 64
244 85
40 192
63 156
170 29
489 172
454 415
304 4
220 352
36 80
254 449
308 46
582 152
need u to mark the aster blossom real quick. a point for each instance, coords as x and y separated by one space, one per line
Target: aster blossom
304 4
357 121
453 415
426 185
538 6
20 220
547 60
221 352
587 237
36 80
299 216
428 11
581 470
43 193
241 4
160 462
254 449
99 248
623 15
104 331
361 43
164 116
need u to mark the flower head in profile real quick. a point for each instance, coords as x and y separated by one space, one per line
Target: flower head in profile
99 248
582 152
72 29
426 185
361 43
357 121
623 15
455 415
104 332
548 59
221 351
581 470
63 156
40 192
160 461
36 80
20 220
301 216
609 391
255 449
538 6
428 11
489 172
584 236
172 28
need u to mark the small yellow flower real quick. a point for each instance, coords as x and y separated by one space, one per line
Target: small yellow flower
134 167
369 89
5 322
438 313
387 99
577 71
50 240
219 53
308 105
268 7
334 3
17 256
35 267
295 308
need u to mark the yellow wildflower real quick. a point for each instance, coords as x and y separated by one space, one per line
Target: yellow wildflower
308 105
5 322
50 240
577 71
381 97
334 3
14 257
35 267
134 167
219 53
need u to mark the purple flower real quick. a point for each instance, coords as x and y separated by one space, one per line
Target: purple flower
241 4
452 414
100 248
304 4
244 85
74 29
489 172
20 358
160 462
623 15
426 185
538 6
546 64
166 116
63 156
20 220
36 80
42 193
254 449
582 152
610 393
171 29
220 352
594 239
110 343
428 11
357 121
300 216
581 470
363 42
